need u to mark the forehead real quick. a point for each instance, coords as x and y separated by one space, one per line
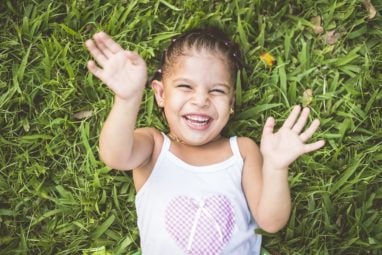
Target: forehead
201 65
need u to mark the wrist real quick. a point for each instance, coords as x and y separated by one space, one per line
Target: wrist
129 106
136 98
275 176
269 165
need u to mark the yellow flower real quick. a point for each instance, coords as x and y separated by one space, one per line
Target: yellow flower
307 97
268 59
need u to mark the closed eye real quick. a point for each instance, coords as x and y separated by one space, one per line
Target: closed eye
184 86
218 91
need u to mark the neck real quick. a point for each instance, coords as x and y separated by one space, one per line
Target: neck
179 141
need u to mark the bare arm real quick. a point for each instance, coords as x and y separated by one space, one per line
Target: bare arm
265 179
121 146
125 73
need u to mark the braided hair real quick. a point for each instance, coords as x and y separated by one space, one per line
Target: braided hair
212 39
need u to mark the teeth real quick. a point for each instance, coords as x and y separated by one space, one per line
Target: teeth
197 120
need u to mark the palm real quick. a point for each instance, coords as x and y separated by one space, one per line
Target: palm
280 149
122 71
119 71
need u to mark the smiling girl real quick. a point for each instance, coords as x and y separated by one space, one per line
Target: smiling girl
197 191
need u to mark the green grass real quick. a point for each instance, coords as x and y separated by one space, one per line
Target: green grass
57 197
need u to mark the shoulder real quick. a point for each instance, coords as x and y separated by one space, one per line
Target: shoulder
248 147
142 172
149 133
151 136
252 179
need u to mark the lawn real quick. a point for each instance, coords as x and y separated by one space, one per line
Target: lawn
57 197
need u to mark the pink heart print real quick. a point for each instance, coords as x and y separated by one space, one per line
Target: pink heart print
200 227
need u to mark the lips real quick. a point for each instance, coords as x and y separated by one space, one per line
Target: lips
197 121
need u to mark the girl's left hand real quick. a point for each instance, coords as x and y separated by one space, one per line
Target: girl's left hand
280 149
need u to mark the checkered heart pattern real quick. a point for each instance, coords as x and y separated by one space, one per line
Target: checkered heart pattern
200 227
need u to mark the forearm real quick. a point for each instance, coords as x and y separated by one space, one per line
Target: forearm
117 135
275 202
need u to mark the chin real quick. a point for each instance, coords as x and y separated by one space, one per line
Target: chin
200 140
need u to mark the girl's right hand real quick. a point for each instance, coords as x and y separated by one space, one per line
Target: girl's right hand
124 72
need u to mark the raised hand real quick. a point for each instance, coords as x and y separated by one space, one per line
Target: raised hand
124 72
280 149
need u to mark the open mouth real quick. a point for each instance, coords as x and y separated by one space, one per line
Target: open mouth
198 121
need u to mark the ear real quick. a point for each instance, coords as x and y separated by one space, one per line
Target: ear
158 88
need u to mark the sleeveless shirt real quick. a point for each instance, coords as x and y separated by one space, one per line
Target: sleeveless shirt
195 210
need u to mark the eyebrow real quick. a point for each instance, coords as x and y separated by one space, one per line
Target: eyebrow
190 81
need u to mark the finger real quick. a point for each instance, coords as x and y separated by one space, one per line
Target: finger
134 58
110 43
297 128
95 52
313 146
305 136
268 126
94 69
289 122
99 39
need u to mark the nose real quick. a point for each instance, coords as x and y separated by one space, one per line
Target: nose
201 98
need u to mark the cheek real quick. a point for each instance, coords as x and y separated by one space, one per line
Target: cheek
174 101
223 106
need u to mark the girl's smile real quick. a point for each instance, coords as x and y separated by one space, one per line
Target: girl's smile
197 121
196 94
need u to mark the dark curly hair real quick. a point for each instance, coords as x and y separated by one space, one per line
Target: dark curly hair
212 39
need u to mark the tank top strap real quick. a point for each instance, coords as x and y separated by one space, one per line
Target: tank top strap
234 146
166 142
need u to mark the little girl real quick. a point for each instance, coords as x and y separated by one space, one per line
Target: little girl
197 191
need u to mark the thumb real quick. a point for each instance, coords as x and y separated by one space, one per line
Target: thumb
268 126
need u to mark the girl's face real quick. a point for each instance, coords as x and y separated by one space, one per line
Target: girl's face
197 95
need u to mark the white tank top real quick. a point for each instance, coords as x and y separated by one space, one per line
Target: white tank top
186 209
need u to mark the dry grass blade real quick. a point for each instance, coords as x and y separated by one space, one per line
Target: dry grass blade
370 9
